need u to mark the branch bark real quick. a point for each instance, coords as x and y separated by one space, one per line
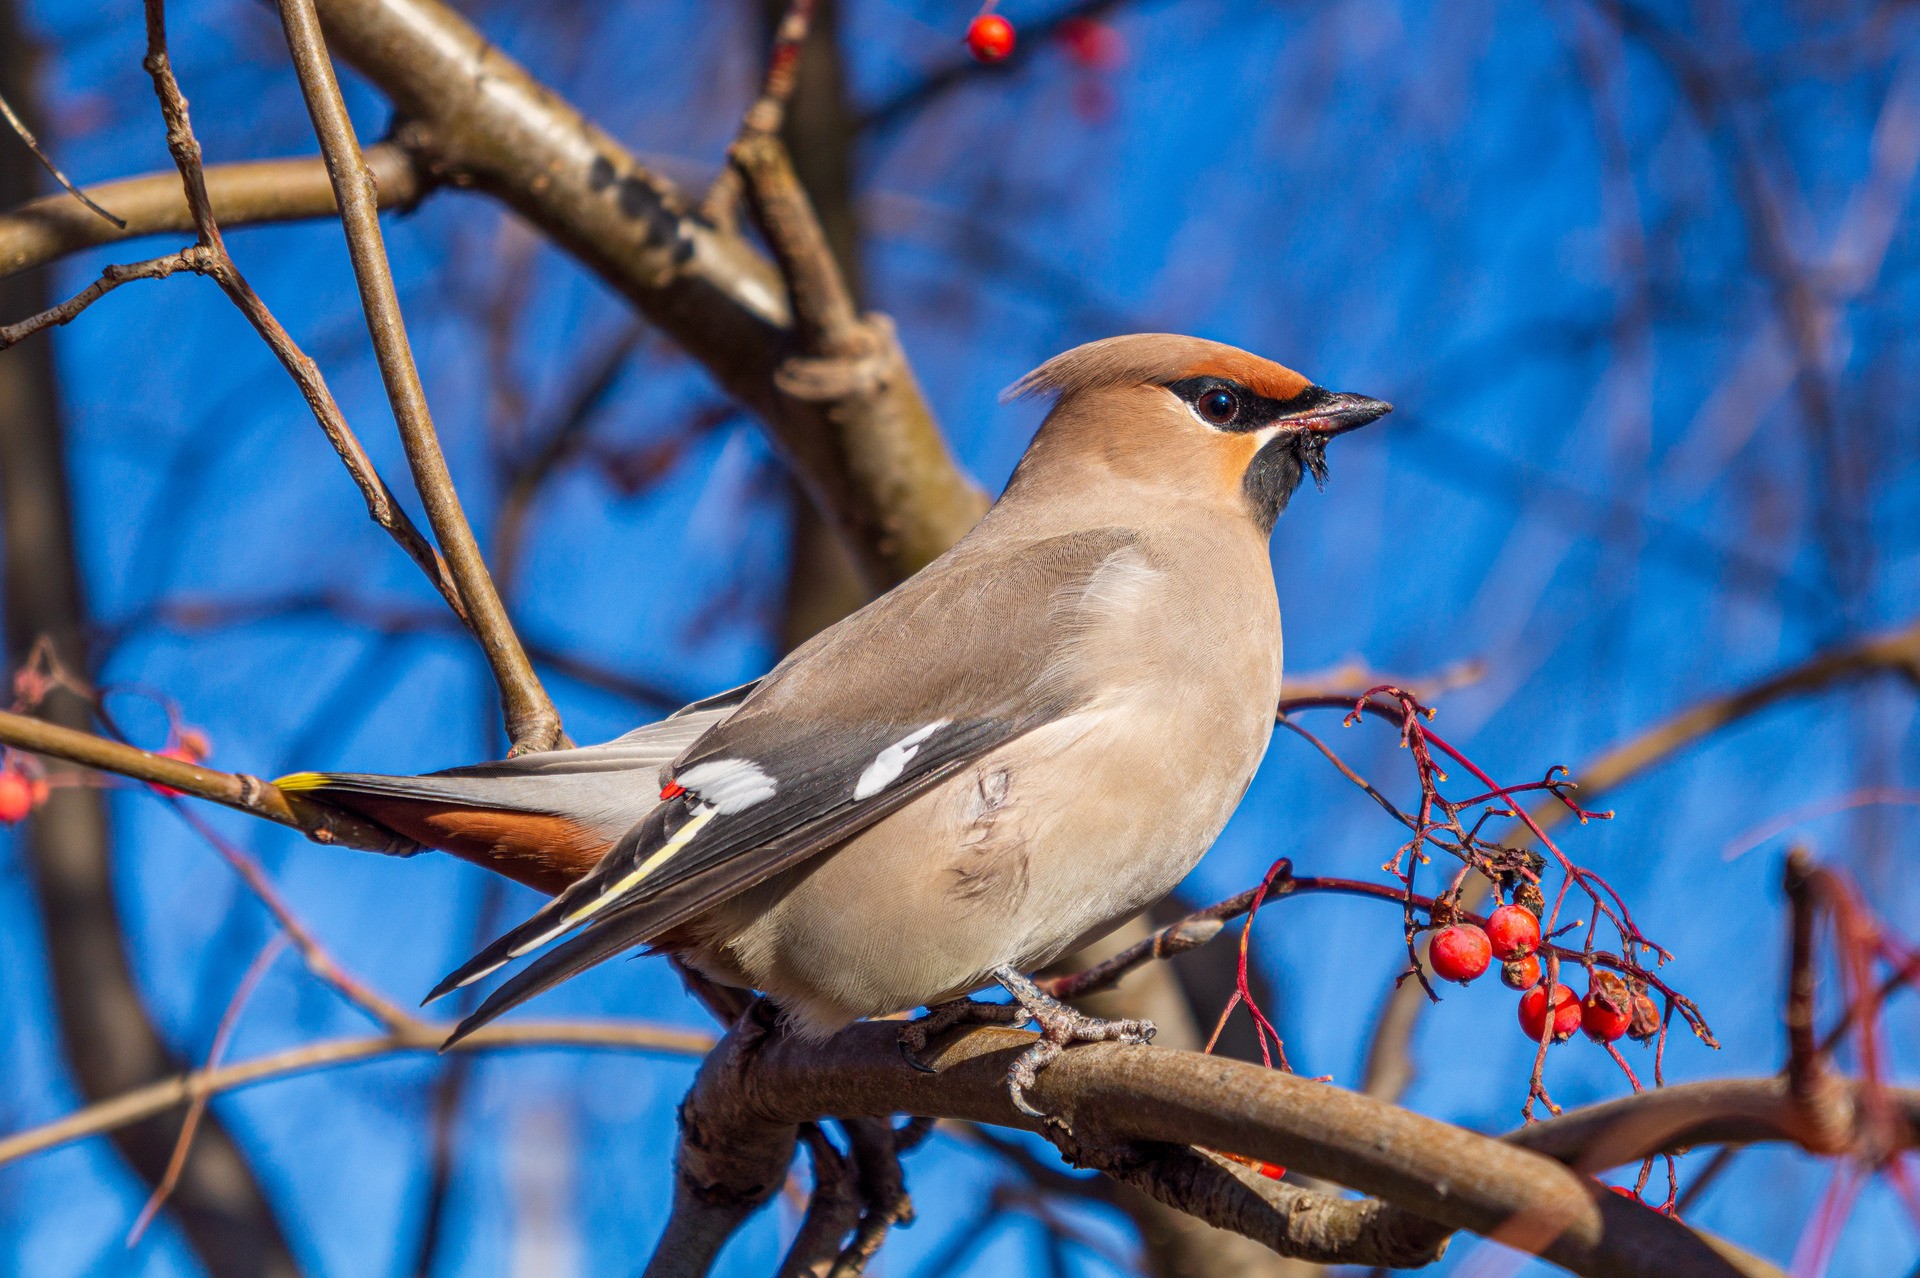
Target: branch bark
317 821
254 193
532 722
752 1093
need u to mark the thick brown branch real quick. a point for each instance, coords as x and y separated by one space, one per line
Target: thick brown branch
1719 1112
253 193
1303 1224
747 1105
318 822
867 448
532 722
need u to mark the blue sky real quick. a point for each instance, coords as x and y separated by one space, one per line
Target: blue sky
1506 218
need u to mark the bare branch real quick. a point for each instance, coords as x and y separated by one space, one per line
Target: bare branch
33 144
867 449
192 258
382 507
739 1126
768 114
419 1036
253 193
318 822
532 722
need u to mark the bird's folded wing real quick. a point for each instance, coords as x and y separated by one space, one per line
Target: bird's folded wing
851 727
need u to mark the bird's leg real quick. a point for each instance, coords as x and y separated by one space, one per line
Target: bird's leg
1059 1025
941 1017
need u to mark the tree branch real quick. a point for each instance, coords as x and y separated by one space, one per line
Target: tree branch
253 193
192 258
751 1093
417 1036
249 794
382 507
532 722
867 451
19 126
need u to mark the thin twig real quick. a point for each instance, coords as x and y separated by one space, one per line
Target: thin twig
318 959
768 114
229 1021
192 258
531 720
170 1093
382 506
232 789
46 161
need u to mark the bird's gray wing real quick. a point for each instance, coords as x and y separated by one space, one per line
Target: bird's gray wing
968 655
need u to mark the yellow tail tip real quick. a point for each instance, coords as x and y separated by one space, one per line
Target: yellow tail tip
297 782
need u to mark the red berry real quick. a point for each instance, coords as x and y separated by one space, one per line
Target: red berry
1520 973
1092 44
1533 1013
1646 1018
1607 1011
989 37
1514 932
1459 953
16 796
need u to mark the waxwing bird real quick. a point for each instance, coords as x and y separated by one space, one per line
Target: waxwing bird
1003 758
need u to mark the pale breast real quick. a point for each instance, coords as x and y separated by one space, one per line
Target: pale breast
1062 833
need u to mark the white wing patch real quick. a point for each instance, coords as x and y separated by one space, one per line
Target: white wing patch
892 761
730 785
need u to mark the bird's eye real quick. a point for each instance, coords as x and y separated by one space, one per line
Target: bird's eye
1219 406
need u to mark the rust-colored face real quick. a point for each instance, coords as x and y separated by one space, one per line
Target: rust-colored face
1195 416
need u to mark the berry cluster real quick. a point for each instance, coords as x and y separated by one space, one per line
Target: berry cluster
1612 1009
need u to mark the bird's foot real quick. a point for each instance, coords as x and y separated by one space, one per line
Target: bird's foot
1060 1026
941 1017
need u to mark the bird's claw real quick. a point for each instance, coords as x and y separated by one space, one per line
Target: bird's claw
941 1017
1060 1026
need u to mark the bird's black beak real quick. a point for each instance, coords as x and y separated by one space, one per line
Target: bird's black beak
1340 412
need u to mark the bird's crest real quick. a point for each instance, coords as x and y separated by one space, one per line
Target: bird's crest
1155 359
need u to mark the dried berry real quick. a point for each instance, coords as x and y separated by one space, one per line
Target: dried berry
1533 1013
1520 973
1646 1019
1459 953
1607 1010
1514 931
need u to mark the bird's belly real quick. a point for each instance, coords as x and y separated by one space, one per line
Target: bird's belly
1054 839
